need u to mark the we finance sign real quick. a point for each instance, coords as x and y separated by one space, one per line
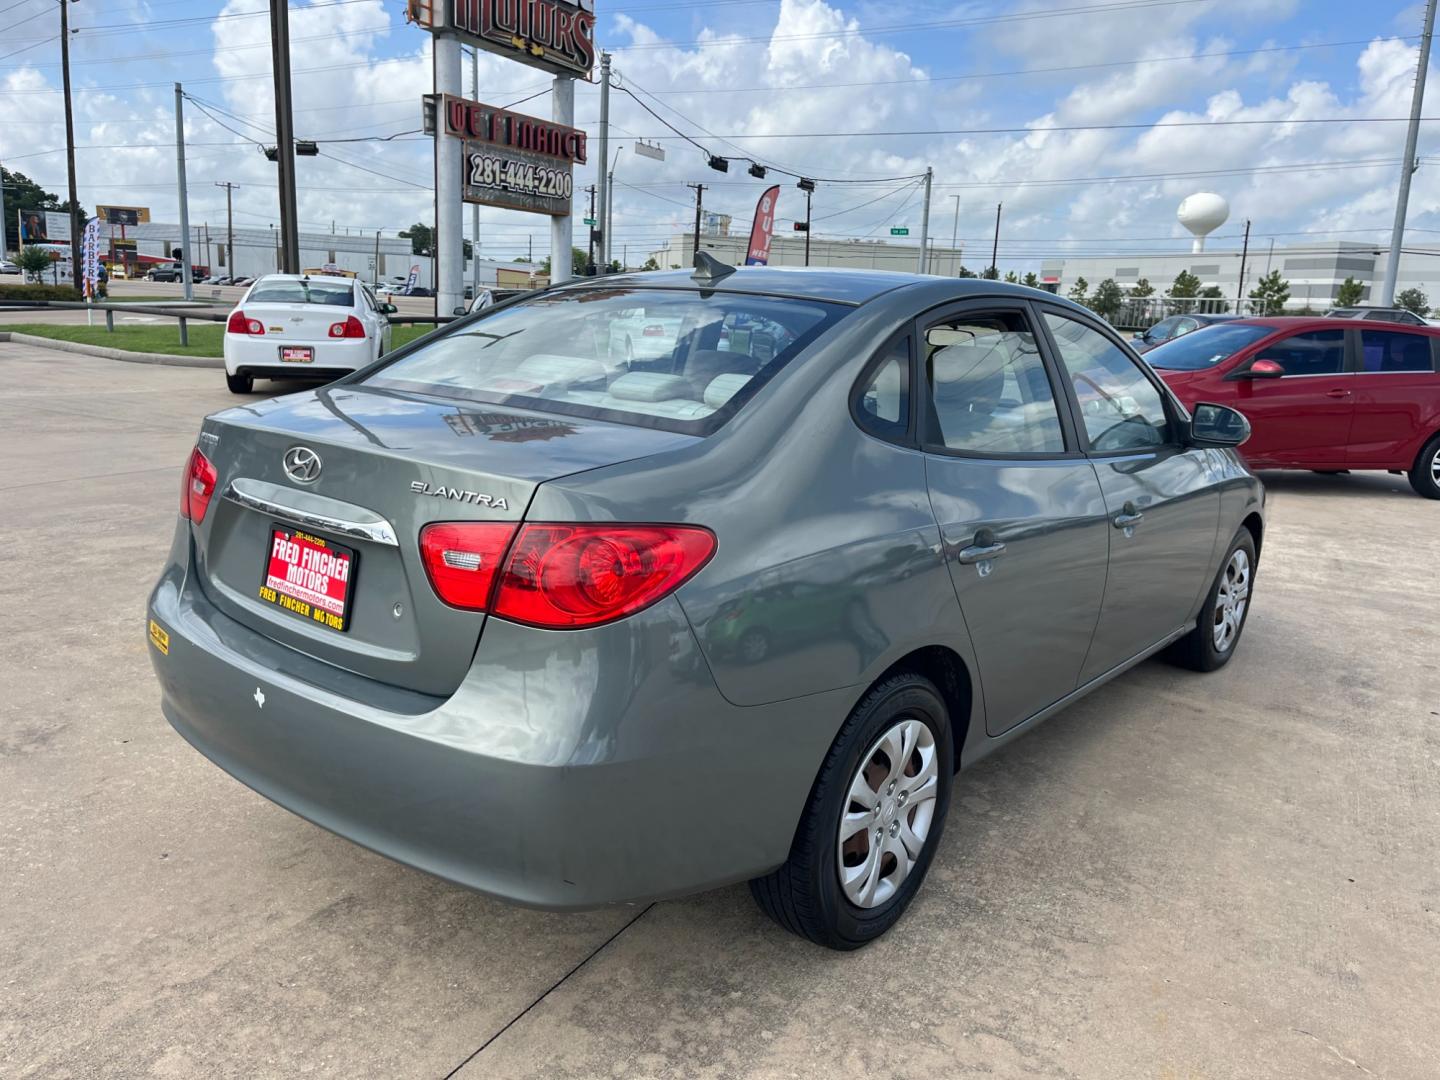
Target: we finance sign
548 34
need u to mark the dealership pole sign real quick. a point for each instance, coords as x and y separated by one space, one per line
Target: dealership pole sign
513 160
551 35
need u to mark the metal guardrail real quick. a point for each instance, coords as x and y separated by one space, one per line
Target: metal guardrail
184 316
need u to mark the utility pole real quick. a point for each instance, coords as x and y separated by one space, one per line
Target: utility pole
284 135
376 275
605 196
808 192
75 223
1410 162
4 221
229 228
185 263
995 247
954 238
474 207
590 249
1244 252
562 226
699 197
925 221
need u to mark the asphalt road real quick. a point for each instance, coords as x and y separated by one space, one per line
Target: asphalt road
1235 875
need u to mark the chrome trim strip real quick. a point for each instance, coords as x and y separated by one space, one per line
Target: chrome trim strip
379 532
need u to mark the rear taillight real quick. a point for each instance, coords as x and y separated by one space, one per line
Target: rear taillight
350 328
197 486
561 576
463 558
239 324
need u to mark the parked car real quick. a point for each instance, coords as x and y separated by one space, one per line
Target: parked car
303 326
164 273
1173 327
468 606
1377 314
1320 396
8 267
490 297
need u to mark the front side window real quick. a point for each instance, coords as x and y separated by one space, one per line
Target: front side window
1164 330
1390 350
659 358
1120 406
883 406
987 391
1206 347
1318 352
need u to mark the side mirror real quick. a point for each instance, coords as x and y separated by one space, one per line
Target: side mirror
1263 369
1217 426
457 311
388 309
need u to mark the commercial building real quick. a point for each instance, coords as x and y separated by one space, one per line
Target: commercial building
789 250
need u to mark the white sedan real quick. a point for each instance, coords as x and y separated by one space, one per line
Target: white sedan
303 326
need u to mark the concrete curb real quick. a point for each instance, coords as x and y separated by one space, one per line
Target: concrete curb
164 359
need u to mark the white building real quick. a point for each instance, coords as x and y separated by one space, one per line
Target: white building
789 250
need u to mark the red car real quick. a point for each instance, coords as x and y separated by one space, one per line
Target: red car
1320 394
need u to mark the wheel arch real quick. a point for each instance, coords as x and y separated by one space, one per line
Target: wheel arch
945 668
1256 525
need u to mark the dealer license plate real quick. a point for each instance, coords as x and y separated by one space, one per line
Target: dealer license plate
297 354
309 576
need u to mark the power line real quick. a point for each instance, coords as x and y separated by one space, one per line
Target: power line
1054 128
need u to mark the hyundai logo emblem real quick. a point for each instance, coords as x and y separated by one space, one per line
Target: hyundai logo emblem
302 464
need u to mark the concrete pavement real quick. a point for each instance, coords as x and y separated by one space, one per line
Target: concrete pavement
1235 875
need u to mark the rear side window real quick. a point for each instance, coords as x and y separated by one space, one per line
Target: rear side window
987 391
302 292
675 359
1120 406
1387 350
1318 352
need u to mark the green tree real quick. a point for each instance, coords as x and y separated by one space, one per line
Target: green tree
964 272
992 273
1272 291
1414 300
1212 292
1142 288
1107 299
651 264
1078 290
1031 280
421 237
1012 277
33 262
1349 293
1186 286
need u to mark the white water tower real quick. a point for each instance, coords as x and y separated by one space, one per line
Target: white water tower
1202 213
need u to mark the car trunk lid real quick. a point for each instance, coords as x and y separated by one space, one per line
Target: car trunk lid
389 464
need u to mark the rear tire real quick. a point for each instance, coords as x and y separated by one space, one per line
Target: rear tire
908 804
1425 475
1217 631
240 384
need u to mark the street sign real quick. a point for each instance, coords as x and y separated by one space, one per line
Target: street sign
589 221
513 160
900 230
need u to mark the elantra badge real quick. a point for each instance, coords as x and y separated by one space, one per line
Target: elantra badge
475 498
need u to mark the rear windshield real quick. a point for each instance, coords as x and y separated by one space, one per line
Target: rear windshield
679 360
1205 347
330 293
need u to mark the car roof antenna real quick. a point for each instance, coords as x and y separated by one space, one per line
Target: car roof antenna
709 269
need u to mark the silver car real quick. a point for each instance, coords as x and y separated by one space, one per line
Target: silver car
574 629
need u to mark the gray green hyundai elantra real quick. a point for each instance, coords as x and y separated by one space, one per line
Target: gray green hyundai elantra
647 584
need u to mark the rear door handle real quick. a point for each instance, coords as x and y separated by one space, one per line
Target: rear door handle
980 552
1337 393
1128 517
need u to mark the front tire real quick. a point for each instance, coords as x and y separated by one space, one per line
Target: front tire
874 819
1425 475
240 384
1217 631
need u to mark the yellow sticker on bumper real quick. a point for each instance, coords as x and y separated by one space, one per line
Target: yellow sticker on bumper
159 638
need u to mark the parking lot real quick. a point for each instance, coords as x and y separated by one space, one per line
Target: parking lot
1234 875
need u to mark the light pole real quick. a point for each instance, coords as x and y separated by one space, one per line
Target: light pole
69 141
954 238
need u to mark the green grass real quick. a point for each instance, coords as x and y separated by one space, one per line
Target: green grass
205 338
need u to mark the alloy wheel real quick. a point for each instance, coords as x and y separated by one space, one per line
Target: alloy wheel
1435 467
888 813
1231 599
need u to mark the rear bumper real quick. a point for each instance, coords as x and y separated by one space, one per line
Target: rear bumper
570 770
260 356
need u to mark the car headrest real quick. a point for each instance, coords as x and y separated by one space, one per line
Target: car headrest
649 386
722 388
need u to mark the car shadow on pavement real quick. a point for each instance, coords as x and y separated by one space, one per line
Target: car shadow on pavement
1307 484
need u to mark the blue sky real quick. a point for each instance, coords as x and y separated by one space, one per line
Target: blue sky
758 77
